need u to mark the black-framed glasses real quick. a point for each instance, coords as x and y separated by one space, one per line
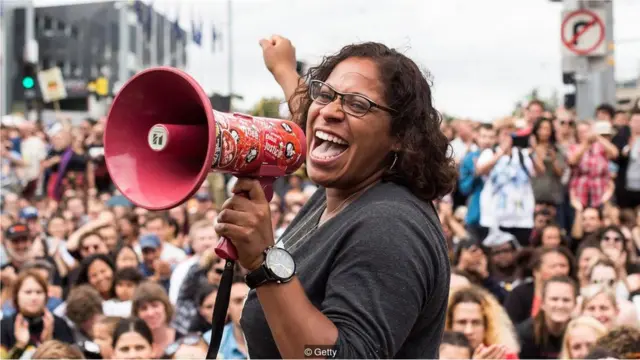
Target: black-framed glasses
354 104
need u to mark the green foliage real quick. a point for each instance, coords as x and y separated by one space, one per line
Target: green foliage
267 107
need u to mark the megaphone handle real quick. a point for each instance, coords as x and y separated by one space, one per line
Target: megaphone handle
225 248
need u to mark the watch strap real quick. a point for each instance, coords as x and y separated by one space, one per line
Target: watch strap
257 277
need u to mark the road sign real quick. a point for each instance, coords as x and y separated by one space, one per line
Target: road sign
583 33
52 84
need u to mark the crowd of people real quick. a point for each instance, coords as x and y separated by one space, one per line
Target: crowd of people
543 231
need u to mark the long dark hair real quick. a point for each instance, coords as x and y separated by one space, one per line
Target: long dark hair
83 271
536 127
423 165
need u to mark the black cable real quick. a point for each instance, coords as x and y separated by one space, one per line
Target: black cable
220 309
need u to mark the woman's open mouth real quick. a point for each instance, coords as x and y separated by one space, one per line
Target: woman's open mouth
326 147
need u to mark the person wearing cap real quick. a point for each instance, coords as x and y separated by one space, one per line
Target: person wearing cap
152 266
18 246
589 160
29 215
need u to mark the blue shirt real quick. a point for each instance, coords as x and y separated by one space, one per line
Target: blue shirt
471 185
228 345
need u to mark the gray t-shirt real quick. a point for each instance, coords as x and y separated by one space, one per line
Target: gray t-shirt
379 270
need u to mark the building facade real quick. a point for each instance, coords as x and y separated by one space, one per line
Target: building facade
113 40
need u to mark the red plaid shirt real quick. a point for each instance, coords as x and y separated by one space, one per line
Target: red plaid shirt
590 177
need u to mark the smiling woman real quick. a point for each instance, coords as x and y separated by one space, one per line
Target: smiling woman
363 268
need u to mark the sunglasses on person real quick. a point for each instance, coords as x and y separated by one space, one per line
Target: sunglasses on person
353 104
189 340
569 122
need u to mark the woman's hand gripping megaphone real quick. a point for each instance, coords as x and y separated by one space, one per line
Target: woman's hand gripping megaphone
245 220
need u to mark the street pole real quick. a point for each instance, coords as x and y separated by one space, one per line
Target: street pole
230 49
123 64
594 73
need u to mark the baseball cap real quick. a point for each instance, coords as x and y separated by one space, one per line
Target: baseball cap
29 212
149 241
18 230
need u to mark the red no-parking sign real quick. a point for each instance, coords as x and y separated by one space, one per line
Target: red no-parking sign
583 33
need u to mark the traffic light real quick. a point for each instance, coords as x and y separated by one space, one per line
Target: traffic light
29 73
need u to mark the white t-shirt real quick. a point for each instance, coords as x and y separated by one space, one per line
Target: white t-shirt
33 151
507 198
178 276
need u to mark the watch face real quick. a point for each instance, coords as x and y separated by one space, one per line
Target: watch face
280 263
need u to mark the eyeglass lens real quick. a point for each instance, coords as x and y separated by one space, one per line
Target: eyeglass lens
351 103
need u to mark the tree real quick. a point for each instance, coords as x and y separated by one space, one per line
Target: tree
267 107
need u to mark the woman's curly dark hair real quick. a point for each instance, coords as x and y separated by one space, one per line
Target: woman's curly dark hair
424 163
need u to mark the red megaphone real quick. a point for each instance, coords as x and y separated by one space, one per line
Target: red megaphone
162 138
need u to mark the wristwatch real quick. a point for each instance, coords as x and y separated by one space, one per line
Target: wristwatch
278 267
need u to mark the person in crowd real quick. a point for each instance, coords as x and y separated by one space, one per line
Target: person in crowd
129 229
471 183
507 200
541 335
102 332
152 266
54 349
600 302
233 344
186 278
580 337
613 245
589 160
628 182
84 308
46 271
158 225
455 345
476 313
549 164
132 339
503 251
525 300
624 341
587 254
205 301
151 304
32 324
126 280
126 257
470 257
551 236
588 222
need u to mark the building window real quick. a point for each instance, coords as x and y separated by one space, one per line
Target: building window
62 27
74 32
48 23
60 64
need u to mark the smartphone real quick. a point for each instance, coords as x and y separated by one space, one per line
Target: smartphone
520 141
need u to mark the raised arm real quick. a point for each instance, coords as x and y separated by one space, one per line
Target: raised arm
280 58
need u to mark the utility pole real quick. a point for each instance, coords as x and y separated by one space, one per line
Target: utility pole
124 28
588 54
230 49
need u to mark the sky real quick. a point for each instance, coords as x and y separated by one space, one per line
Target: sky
482 56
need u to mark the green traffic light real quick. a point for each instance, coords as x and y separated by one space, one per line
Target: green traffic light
28 82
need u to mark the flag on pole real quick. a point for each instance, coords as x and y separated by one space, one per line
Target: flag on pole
196 29
216 36
175 27
138 6
148 20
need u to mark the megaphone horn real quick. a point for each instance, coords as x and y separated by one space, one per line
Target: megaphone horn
162 138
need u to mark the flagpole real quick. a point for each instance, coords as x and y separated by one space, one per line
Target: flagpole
230 49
